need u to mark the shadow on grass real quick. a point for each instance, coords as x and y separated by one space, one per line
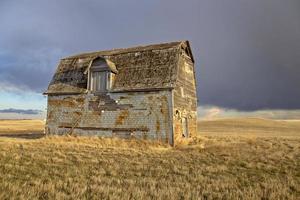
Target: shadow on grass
24 135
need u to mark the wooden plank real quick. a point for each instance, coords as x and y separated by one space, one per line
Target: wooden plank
108 129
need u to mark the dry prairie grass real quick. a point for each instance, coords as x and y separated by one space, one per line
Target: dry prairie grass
211 166
250 127
21 126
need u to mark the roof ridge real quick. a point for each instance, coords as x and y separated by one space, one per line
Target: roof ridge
128 49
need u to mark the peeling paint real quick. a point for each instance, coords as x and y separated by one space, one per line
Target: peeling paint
122 117
139 117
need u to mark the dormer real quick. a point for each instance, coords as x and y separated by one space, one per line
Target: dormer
101 75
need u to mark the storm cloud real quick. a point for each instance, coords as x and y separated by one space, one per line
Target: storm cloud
247 52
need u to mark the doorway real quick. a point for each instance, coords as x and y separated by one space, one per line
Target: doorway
185 131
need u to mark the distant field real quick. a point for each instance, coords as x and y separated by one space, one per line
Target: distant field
21 126
231 159
249 127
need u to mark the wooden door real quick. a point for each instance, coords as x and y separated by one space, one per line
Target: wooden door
185 130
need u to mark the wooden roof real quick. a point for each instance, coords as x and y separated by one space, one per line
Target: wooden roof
143 67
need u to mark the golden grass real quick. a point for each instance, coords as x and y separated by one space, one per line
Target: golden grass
21 126
212 166
250 127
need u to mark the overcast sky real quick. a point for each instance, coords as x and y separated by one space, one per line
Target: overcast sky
247 52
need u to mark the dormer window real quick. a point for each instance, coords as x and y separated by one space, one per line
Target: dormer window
101 75
99 80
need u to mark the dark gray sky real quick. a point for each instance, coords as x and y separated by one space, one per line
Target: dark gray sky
247 52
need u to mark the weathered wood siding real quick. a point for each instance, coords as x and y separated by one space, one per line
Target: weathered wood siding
144 115
185 98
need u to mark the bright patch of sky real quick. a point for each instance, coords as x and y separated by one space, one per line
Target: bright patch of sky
28 100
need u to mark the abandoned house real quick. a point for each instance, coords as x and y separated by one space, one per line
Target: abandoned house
146 92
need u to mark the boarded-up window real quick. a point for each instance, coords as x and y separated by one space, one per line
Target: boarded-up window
99 81
101 76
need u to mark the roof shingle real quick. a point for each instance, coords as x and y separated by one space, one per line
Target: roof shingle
143 67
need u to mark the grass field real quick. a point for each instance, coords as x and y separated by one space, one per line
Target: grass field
231 159
21 126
